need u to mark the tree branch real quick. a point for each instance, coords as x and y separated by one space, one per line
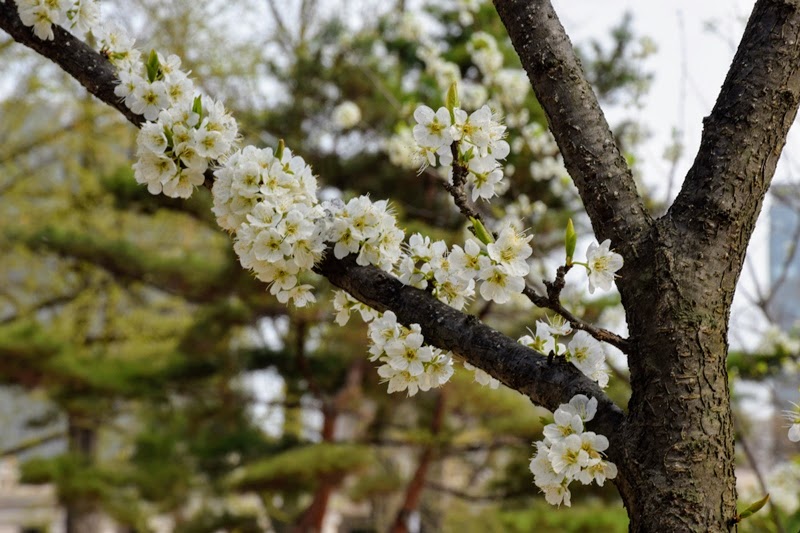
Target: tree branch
456 189
601 334
77 58
744 135
518 367
591 154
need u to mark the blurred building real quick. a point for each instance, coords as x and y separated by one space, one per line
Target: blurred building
784 255
27 508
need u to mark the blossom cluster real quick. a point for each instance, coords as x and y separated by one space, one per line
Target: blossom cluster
480 144
568 452
368 229
583 350
184 132
269 201
408 364
41 15
500 267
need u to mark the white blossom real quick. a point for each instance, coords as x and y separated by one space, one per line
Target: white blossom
346 115
433 128
482 377
586 353
602 264
568 452
793 417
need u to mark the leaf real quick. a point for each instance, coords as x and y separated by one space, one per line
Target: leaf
153 66
570 240
481 232
452 101
754 507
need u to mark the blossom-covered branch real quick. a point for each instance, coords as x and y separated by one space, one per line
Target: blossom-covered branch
546 383
515 365
77 58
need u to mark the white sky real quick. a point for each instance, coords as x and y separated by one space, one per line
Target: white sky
684 46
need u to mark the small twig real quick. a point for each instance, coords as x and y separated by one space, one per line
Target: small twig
554 288
552 302
456 189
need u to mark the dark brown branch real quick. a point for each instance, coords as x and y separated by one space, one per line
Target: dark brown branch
456 189
517 366
77 58
743 137
553 302
591 154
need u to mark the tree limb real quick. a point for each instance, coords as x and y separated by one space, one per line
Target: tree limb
518 367
745 133
77 58
591 154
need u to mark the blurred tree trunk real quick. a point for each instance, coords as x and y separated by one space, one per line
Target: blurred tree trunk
82 515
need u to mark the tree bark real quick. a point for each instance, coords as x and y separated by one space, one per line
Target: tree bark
677 473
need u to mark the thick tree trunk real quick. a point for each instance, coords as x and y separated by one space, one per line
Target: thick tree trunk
676 472
678 436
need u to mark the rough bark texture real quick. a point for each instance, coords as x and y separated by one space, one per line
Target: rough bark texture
674 449
680 270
